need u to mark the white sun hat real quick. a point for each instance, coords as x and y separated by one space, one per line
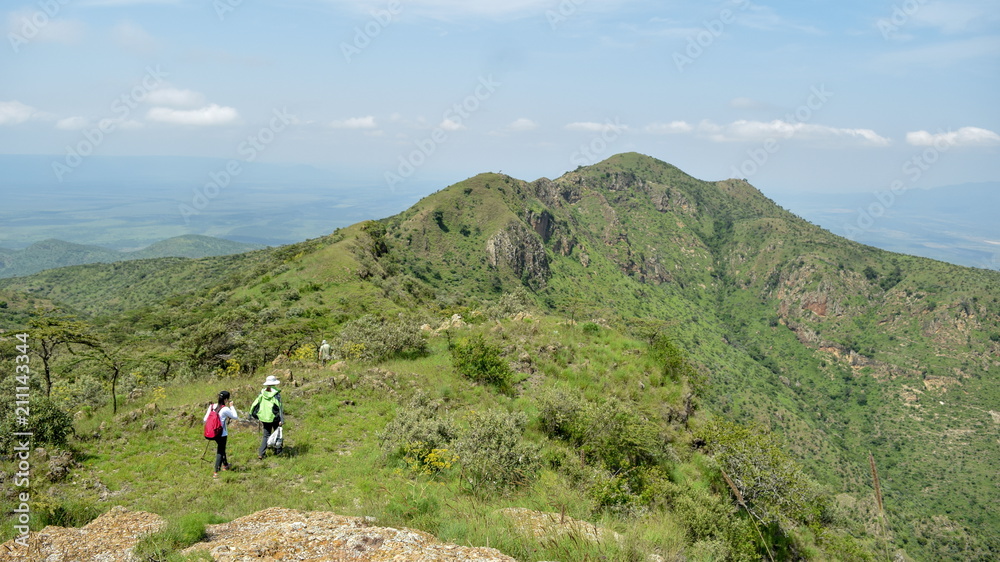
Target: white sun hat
271 381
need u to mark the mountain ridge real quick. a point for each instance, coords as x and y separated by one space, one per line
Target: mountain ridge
838 347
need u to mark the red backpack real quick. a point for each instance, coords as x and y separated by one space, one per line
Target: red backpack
213 425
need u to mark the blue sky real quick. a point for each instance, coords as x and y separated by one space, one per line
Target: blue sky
795 96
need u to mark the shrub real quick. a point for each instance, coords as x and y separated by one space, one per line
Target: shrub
417 430
510 304
590 328
561 413
772 484
46 422
670 359
630 492
305 352
493 453
712 525
372 338
618 437
482 362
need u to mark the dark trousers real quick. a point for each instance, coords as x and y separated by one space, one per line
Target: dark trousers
220 452
269 428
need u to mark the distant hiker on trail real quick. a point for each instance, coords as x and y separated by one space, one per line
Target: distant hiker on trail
268 409
225 412
324 353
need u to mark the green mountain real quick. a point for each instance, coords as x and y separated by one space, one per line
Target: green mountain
51 254
661 301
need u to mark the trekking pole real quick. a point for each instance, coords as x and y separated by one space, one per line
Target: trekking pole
207 443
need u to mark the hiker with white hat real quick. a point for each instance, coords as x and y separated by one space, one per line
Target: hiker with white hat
268 409
324 353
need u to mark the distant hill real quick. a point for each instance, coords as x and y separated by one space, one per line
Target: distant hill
955 223
50 254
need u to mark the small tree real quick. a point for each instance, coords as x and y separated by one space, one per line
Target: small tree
52 332
771 485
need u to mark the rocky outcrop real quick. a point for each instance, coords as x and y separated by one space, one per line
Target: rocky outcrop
272 534
288 534
110 537
519 249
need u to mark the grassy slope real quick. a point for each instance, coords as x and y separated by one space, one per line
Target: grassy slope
336 464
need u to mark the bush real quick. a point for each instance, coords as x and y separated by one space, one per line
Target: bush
46 422
630 492
419 426
561 413
510 304
590 328
493 453
372 338
772 484
618 437
482 362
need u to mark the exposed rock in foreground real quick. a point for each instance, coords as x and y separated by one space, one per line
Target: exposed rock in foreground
289 534
271 534
109 538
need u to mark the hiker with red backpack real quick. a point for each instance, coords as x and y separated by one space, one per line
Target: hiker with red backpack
216 419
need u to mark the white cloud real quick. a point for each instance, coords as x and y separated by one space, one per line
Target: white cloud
15 112
744 130
955 17
966 136
366 122
672 127
174 97
592 127
521 125
72 123
451 125
205 116
133 37
22 25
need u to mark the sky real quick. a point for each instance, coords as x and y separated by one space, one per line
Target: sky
795 96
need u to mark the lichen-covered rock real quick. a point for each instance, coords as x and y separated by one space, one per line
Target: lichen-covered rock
288 534
109 538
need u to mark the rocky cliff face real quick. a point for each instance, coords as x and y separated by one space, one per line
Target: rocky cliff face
521 250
